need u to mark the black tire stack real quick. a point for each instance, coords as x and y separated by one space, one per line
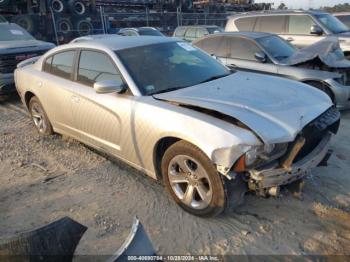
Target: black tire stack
71 18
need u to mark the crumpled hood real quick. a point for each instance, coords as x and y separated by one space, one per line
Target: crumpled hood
275 109
8 47
327 50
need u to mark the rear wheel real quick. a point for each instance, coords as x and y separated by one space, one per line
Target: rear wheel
192 180
39 117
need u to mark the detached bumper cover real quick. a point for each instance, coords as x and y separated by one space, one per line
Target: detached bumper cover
281 176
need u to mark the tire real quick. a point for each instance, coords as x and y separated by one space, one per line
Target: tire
84 27
192 180
64 26
39 117
24 21
76 7
5 3
57 6
323 88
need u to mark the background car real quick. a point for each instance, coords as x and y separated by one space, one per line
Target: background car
191 33
301 28
177 114
16 45
95 37
270 54
344 17
150 31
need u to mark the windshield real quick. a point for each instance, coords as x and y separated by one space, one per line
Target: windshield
276 47
150 31
164 67
12 32
332 23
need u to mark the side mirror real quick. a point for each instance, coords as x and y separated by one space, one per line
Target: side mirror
316 30
109 86
214 56
261 57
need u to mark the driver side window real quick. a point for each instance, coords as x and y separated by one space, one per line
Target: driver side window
300 24
240 48
96 66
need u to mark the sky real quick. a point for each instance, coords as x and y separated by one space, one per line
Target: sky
295 4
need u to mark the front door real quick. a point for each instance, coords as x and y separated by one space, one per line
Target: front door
100 118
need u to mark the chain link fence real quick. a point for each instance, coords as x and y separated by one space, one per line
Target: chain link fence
62 27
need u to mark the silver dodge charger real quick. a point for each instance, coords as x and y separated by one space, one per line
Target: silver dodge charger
174 112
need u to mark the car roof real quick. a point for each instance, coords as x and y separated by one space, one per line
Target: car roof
251 35
138 28
278 12
116 43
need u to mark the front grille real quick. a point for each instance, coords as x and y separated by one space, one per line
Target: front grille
314 132
8 62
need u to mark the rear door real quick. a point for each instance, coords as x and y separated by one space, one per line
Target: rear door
241 56
55 85
298 31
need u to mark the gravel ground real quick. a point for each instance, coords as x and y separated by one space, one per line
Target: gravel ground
43 179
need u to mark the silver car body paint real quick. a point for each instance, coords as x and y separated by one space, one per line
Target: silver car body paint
131 126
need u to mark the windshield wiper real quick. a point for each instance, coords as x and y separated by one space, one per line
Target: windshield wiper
213 78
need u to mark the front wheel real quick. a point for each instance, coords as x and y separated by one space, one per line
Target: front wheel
40 119
192 180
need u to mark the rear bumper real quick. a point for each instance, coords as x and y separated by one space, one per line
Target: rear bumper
273 176
7 84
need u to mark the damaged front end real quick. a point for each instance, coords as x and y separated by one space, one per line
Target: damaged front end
307 151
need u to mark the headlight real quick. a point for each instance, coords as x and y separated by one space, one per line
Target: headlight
264 154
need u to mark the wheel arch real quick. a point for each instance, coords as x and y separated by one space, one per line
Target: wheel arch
325 85
159 149
27 96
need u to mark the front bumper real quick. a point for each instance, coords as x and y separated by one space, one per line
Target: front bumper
7 84
341 94
271 177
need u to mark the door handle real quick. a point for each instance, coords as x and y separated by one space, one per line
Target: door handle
75 99
40 84
290 39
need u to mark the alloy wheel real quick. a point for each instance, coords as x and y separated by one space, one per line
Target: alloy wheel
190 182
38 117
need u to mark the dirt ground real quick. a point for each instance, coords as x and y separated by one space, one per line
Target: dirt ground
105 196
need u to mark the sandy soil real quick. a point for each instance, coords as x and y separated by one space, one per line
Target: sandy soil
105 196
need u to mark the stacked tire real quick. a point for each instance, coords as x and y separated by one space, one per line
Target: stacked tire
5 4
71 17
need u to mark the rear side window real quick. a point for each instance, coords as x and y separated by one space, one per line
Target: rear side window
300 24
240 48
95 67
245 24
191 32
62 64
201 32
214 46
47 65
180 32
271 24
